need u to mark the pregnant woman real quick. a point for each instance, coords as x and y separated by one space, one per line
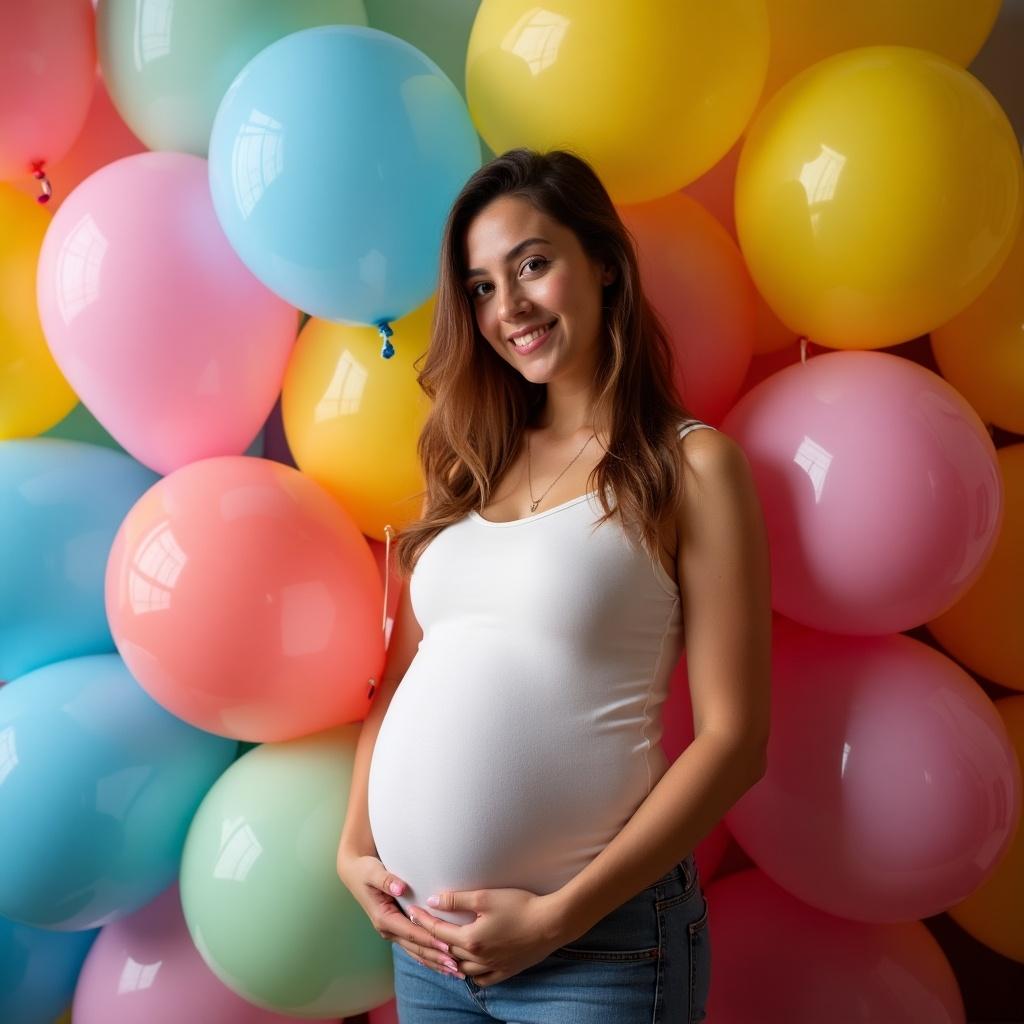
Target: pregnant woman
513 825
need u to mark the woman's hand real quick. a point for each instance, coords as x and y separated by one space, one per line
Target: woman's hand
514 929
371 884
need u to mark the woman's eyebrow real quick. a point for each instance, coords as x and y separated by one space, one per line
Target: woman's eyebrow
511 254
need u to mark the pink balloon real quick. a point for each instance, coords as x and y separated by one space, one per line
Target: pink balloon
892 789
164 334
696 279
144 967
880 490
776 959
47 74
103 139
244 600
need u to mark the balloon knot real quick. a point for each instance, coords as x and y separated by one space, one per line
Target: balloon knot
387 349
44 182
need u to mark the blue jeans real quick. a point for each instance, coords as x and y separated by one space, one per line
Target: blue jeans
647 962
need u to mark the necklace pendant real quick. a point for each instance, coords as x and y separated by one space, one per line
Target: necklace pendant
533 507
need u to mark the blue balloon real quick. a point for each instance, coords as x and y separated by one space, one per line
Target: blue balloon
38 971
98 786
61 503
334 159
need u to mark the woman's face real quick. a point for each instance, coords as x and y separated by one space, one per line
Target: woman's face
527 271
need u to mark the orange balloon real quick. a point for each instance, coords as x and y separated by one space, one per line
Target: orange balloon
981 350
244 600
694 275
982 630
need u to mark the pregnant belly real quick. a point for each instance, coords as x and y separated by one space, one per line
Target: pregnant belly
498 784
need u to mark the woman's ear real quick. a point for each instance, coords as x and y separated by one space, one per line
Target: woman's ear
608 274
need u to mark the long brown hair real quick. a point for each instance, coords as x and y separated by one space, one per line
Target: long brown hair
480 404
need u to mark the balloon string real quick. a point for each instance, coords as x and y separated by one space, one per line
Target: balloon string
44 182
387 350
804 342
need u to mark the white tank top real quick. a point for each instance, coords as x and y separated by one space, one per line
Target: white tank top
527 729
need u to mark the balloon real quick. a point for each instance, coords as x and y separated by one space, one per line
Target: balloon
38 970
33 393
100 795
892 789
246 601
994 912
651 94
877 195
695 278
385 133
715 191
819 967
47 74
806 31
260 889
167 338
879 486
980 351
352 423
167 83
103 139
982 630
61 503
178 986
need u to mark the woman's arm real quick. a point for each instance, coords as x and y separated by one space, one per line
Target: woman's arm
724 581
405 639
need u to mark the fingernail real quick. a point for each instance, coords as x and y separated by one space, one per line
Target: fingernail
443 946
396 888
452 964
413 919
433 901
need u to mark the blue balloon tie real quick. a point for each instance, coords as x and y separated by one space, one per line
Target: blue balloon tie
387 349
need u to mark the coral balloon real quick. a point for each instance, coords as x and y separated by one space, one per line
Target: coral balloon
877 195
179 986
983 629
47 74
678 82
352 420
821 968
695 277
390 136
981 350
99 796
806 31
61 503
892 789
33 392
103 139
246 601
994 912
166 337
260 889
880 490
169 92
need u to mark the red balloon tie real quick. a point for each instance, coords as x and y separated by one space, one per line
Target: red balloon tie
44 182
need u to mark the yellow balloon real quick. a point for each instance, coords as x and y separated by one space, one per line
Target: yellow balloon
352 419
806 31
981 350
650 94
877 195
983 629
34 395
994 912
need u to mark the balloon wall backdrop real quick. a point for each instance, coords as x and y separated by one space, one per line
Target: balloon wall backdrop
219 245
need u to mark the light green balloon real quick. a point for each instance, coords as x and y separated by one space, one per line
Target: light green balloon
81 425
260 890
439 28
168 63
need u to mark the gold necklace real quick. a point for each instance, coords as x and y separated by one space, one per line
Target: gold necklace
529 480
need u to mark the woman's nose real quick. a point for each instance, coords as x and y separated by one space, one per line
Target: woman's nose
513 304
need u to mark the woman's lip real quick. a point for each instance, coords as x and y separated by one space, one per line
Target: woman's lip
536 343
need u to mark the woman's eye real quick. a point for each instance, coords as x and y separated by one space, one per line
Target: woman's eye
535 259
